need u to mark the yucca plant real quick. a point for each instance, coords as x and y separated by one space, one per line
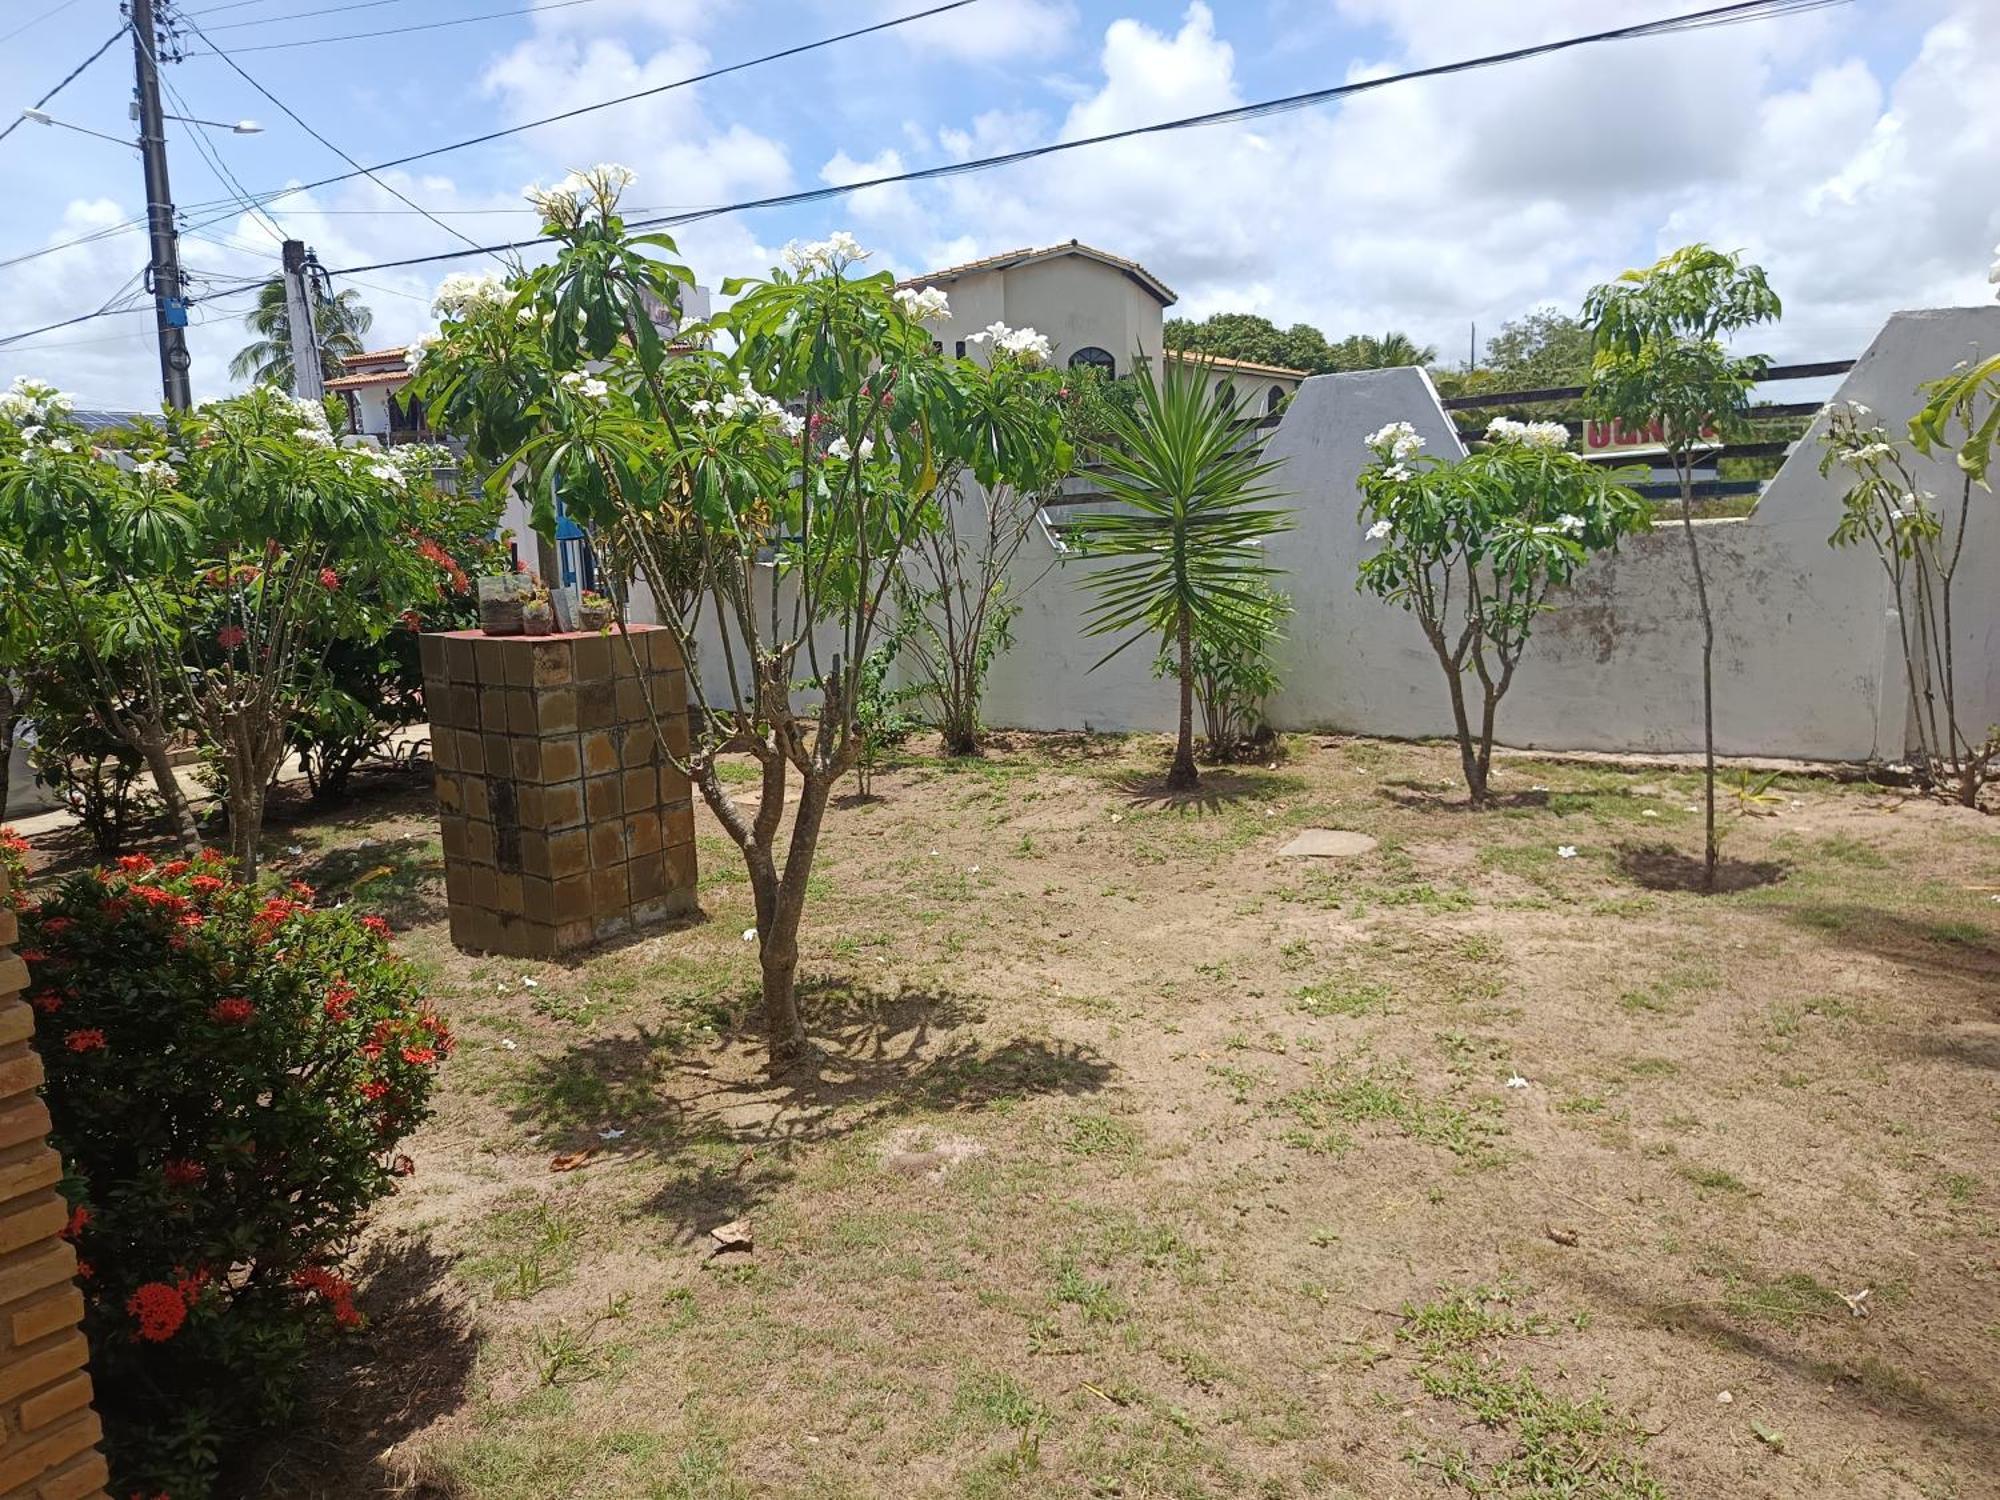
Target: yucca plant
1184 544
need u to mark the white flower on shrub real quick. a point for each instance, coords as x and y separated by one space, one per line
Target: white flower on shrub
1528 434
1024 344
464 293
584 386
839 449
418 460
824 257
1570 525
1396 473
30 402
923 304
157 471
1379 530
1399 438
563 204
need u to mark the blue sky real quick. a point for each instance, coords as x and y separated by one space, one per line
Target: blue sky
1852 150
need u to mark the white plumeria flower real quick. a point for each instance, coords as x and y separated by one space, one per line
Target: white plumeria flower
1648 813
749 934
1528 434
923 304
1024 344
1397 473
29 401
1570 525
1400 438
508 1044
1379 530
1517 1082
464 293
611 1134
1565 851
157 471
584 385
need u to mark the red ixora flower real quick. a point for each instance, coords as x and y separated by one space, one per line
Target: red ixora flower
206 885
230 637
374 1089
48 1002
79 1217
12 842
339 1001
335 1290
329 579
181 1173
33 956
421 1057
52 926
300 889
234 1011
173 869
85 1039
378 926
160 1310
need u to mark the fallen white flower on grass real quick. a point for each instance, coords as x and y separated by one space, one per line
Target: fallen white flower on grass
610 1135
749 934
1517 1082
530 984
1565 851
1649 813
508 1044
1723 1398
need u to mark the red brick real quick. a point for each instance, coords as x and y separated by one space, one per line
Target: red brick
607 843
603 798
593 658
555 663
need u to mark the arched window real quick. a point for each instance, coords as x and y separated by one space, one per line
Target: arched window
1096 359
1226 394
1273 399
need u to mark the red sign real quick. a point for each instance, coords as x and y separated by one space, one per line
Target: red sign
1602 435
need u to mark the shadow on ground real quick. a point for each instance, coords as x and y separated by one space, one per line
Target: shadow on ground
731 1132
1451 797
1217 789
409 1367
1661 867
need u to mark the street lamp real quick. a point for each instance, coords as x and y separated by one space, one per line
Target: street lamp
241 127
43 117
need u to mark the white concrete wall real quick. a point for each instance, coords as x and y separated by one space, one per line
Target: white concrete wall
1805 661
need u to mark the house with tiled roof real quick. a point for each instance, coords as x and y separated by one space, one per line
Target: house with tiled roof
372 386
1096 309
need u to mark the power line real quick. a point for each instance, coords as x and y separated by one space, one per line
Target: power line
1743 11
68 78
368 172
11 339
53 10
297 15
362 36
223 175
584 109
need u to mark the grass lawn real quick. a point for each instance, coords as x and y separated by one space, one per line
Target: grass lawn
1144 1161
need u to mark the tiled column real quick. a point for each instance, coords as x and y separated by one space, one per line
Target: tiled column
563 824
48 1432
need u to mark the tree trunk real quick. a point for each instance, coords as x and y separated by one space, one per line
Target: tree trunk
246 825
10 720
778 943
159 760
1710 855
1468 758
1184 777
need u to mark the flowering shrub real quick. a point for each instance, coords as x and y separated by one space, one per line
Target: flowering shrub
14 862
229 1071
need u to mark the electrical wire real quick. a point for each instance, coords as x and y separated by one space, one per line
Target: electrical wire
1726 15
585 109
297 15
1743 11
9 340
368 172
369 36
209 153
68 78
54 10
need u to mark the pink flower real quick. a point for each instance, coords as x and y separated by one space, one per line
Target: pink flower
230 637
329 580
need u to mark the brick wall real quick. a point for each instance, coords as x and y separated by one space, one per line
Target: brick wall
48 1432
562 822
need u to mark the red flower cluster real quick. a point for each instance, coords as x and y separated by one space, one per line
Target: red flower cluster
339 1002
173 869
329 580
160 1311
85 1039
430 551
48 1002
206 885
12 842
79 1218
273 914
135 864
378 925
336 1291
230 637
52 926
233 1011
182 1173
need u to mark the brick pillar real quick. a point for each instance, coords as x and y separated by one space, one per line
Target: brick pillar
48 1432
562 822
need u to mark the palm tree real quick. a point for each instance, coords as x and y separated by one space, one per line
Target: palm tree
1367 351
340 321
1194 510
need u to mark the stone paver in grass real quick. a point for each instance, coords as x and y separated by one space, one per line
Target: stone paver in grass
1328 843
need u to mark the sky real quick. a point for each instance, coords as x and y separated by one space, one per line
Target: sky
1852 151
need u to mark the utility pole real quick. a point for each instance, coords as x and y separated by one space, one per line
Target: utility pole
308 379
163 273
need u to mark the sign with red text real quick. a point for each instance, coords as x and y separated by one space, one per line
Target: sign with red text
1603 435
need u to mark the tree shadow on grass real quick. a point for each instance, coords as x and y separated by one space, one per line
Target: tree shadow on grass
1852 1365
1427 797
732 1133
401 879
1661 867
1216 790
410 1366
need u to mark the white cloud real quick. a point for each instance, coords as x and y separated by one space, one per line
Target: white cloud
877 203
991 32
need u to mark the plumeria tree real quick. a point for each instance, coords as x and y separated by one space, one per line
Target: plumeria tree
1184 547
960 592
1920 543
767 498
1659 338
1474 547
211 556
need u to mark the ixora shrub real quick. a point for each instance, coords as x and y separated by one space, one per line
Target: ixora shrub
229 1073
1473 547
770 496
